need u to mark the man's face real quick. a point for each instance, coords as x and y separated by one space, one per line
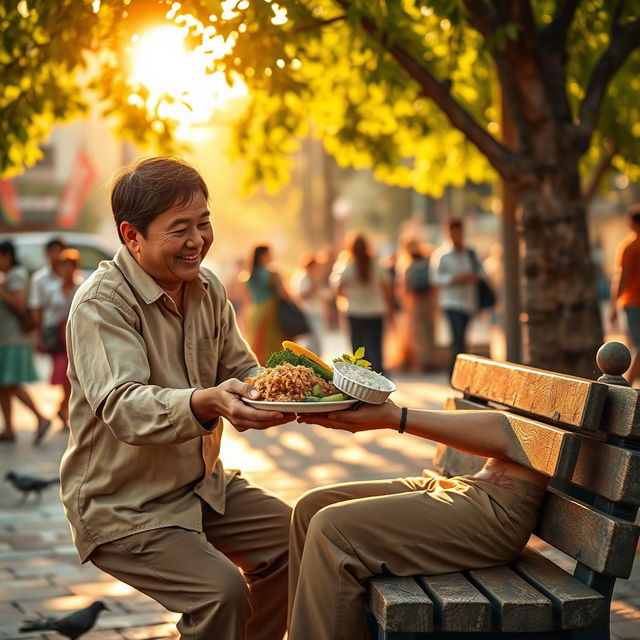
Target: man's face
176 243
455 233
52 255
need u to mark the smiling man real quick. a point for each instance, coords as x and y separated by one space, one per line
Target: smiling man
155 363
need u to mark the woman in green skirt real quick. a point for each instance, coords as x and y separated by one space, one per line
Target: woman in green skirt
264 285
16 350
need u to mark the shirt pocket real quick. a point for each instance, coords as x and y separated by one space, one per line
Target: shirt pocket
207 358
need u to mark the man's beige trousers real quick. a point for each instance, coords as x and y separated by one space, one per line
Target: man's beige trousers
343 534
229 583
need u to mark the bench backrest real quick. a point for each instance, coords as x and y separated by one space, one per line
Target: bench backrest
583 434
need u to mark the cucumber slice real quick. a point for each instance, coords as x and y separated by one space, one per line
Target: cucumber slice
336 397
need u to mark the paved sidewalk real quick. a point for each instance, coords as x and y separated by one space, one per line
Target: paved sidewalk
40 572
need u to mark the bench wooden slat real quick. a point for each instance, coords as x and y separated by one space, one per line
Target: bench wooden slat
602 542
621 415
610 471
574 604
459 606
536 445
607 470
517 606
399 604
568 400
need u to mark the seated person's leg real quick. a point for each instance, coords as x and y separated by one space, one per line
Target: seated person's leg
184 573
312 501
456 524
253 533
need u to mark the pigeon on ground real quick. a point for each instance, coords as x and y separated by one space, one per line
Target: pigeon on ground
27 484
72 626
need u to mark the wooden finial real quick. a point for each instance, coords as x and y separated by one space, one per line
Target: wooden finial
613 359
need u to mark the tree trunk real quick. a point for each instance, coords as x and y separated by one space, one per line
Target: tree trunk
562 323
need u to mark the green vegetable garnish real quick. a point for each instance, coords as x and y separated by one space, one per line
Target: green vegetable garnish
357 358
281 357
336 397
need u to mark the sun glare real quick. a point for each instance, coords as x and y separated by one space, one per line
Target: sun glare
162 64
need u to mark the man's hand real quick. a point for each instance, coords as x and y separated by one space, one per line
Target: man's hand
225 400
613 317
365 418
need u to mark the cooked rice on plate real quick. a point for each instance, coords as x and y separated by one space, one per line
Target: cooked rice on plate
288 383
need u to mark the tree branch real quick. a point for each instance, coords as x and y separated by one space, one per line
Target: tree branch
484 18
318 24
553 39
624 40
555 33
507 163
591 187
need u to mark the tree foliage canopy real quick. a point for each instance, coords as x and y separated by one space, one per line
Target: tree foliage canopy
410 88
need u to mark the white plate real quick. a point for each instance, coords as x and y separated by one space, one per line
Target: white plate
300 407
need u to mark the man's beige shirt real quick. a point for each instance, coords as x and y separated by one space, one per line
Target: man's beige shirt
137 457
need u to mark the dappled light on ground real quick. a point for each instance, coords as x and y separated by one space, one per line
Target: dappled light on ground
238 453
107 588
297 442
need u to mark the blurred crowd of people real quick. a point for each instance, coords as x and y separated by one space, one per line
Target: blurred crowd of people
33 316
387 304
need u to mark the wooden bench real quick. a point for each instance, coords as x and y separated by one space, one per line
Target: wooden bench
585 436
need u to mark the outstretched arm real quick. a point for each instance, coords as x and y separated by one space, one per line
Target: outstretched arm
483 432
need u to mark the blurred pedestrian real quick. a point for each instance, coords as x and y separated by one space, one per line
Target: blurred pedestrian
327 258
311 289
265 287
42 278
625 289
16 350
456 271
365 295
418 301
57 295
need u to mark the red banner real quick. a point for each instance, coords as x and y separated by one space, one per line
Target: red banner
76 191
9 202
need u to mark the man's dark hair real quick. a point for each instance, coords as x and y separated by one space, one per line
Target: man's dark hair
454 223
55 242
148 187
7 247
634 213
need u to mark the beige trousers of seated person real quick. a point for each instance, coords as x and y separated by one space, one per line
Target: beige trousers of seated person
343 534
229 582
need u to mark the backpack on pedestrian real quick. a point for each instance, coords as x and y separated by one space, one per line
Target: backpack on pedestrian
417 276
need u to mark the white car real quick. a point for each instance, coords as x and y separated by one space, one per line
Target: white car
31 246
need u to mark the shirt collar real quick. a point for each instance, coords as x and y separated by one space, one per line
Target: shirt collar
141 281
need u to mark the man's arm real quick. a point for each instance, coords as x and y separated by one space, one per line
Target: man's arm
483 432
109 359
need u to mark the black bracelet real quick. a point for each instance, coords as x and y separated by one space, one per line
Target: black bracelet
403 420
